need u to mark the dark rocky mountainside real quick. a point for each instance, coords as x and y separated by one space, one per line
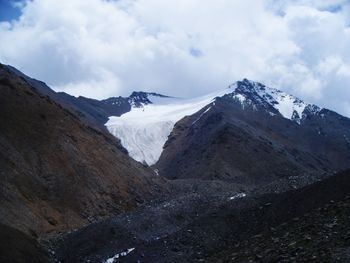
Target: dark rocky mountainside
250 142
57 172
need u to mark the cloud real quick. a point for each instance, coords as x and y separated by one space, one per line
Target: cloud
100 48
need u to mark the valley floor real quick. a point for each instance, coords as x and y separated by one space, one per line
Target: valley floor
213 221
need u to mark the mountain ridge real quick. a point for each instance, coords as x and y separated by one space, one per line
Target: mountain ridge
143 122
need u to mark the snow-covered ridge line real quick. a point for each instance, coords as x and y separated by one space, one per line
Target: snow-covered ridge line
144 130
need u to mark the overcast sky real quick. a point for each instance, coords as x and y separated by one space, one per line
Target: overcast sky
183 48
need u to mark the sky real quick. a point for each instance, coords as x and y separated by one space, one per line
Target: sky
184 48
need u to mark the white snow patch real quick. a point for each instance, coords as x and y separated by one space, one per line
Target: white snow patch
239 195
144 130
241 98
119 255
286 104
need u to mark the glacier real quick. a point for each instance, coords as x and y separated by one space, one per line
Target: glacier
144 130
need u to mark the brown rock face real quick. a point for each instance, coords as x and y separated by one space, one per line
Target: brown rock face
56 172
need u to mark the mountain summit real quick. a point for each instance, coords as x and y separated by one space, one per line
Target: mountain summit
275 101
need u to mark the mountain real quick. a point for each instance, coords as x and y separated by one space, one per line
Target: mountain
219 136
57 171
254 134
285 134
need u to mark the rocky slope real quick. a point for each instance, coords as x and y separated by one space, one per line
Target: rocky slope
57 172
320 233
243 137
308 224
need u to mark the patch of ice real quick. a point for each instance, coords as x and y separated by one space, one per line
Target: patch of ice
239 195
119 255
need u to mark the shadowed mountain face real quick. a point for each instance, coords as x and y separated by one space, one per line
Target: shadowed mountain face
248 141
58 172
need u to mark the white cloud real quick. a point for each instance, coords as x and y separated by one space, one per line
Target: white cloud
106 48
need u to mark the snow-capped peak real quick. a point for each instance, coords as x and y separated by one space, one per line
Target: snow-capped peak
288 106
